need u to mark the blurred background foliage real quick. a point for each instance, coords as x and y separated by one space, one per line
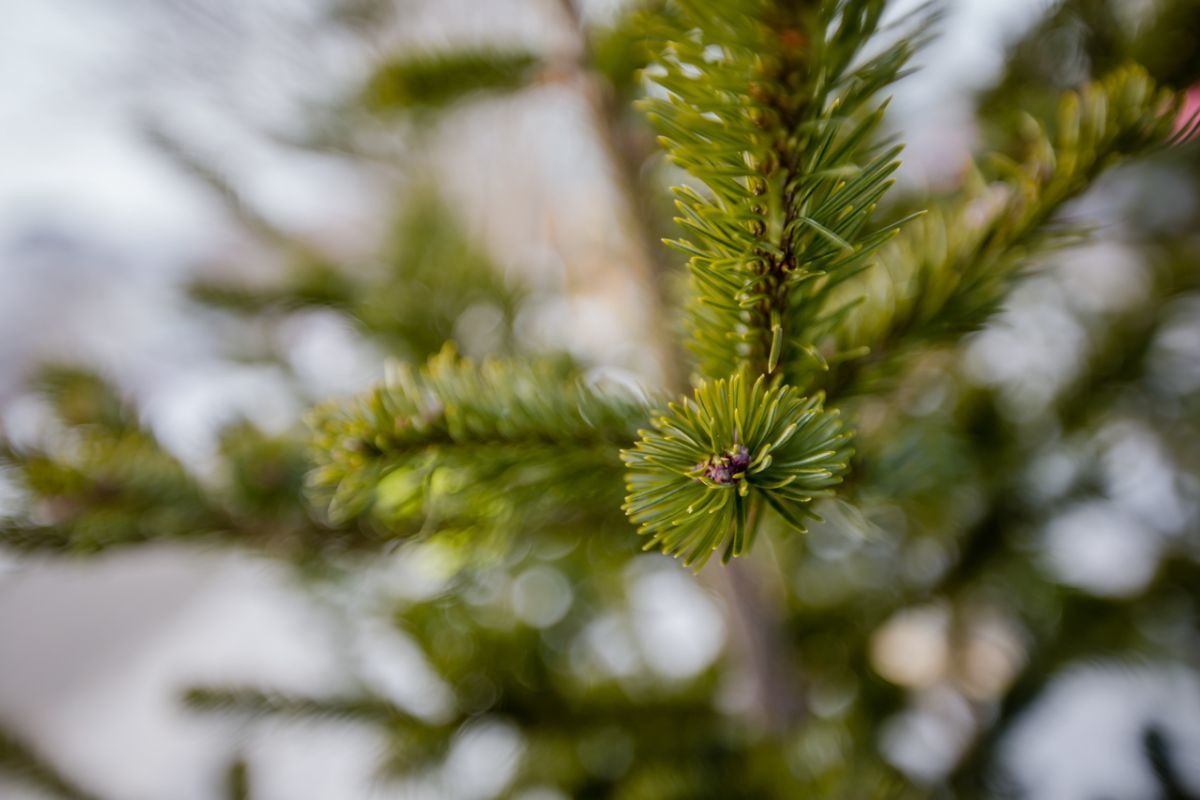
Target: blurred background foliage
1012 520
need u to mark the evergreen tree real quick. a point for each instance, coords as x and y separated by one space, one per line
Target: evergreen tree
827 435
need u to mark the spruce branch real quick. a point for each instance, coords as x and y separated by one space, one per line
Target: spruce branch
104 479
484 439
948 272
770 107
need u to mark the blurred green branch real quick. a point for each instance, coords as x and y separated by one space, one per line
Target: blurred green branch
18 760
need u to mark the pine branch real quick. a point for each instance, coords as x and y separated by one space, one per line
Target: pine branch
770 107
948 272
454 438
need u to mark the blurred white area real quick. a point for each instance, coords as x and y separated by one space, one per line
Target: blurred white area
1112 546
926 740
1098 547
912 649
952 668
677 625
97 655
1083 738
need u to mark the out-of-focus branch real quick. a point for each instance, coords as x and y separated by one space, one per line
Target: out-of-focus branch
20 761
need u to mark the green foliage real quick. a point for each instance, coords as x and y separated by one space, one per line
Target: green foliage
693 481
263 474
82 398
802 294
103 480
771 109
455 440
949 271
774 110
435 80
312 281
